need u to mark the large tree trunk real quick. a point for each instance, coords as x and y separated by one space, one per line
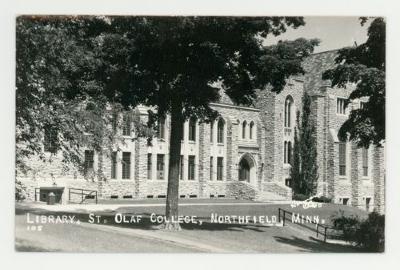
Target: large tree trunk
171 210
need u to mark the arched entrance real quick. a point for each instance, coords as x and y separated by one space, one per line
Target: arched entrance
247 170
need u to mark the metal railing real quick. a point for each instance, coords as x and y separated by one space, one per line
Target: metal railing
83 193
282 214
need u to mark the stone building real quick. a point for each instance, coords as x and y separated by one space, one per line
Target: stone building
246 153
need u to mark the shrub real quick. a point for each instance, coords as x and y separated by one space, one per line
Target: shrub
299 197
20 191
368 234
322 199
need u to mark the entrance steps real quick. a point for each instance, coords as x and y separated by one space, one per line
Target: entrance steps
266 196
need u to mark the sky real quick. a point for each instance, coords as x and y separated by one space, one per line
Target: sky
334 32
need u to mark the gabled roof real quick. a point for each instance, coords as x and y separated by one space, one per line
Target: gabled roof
314 66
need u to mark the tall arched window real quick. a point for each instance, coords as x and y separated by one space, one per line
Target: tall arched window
192 129
288 111
251 131
244 127
220 131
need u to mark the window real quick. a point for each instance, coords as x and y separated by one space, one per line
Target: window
211 131
126 128
287 152
288 111
161 128
365 161
114 121
211 168
345 201
126 165
342 158
220 168
160 166
89 160
341 106
220 137
244 127
191 168
50 140
251 130
149 166
181 168
114 165
192 129
367 203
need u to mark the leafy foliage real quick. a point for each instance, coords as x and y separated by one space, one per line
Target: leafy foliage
364 66
368 234
304 170
66 70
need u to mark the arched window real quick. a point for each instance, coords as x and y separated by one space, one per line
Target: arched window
288 111
251 131
192 129
220 131
244 127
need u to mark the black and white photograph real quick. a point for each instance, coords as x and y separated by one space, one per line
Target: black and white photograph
200 134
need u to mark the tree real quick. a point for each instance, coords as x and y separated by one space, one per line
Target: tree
304 170
179 61
67 70
364 66
171 64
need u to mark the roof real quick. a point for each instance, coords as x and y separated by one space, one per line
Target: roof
314 66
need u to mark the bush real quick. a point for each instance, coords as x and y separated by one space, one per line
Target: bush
368 234
20 191
322 199
299 197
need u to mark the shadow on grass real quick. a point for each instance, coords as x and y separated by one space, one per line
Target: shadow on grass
316 245
145 223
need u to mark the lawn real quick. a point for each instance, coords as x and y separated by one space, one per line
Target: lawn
227 237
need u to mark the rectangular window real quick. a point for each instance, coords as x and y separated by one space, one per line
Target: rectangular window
114 121
342 158
50 140
211 168
345 201
126 165
160 166
341 106
191 168
211 131
365 161
181 168
149 166
192 130
220 168
161 129
114 165
126 127
367 203
89 161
